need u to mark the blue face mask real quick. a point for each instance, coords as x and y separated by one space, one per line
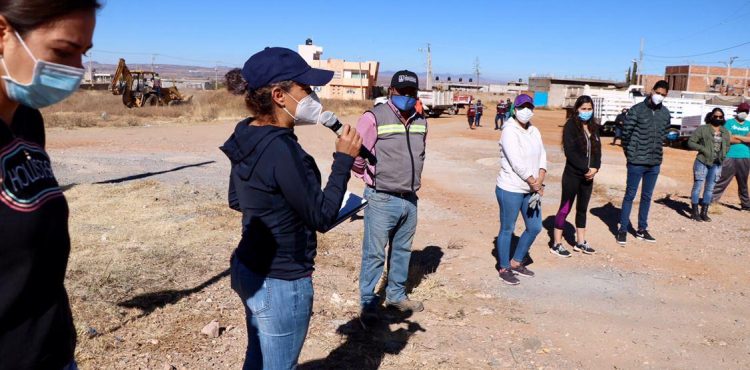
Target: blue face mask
50 83
403 103
585 116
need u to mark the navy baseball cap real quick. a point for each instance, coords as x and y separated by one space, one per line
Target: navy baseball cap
272 65
404 78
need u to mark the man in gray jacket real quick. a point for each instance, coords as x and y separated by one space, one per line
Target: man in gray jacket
646 125
395 133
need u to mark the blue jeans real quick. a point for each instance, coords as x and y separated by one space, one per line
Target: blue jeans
388 219
701 174
636 173
71 366
510 205
277 313
477 118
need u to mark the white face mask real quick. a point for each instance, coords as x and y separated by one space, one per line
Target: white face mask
308 111
524 115
742 116
656 98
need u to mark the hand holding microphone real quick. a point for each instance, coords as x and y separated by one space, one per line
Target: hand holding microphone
328 119
349 141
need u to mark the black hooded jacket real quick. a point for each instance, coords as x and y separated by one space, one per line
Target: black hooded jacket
277 187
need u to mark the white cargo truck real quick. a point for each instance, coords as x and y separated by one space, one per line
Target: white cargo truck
436 102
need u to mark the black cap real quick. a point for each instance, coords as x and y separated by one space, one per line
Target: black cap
276 64
405 78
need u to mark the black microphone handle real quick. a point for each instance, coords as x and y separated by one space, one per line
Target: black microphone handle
364 153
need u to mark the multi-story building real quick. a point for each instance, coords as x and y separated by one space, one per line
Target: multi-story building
352 80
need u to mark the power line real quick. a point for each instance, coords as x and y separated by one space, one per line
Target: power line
699 54
736 16
167 56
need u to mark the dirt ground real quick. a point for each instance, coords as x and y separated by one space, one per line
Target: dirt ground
152 238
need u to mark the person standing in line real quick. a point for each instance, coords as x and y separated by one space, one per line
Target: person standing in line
500 115
712 143
520 185
479 109
619 122
277 187
396 135
643 133
737 163
583 154
509 107
471 112
42 44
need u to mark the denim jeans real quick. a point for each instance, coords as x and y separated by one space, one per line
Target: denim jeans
636 173
71 366
277 313
510 205
501 118
704 174
388 219
477 118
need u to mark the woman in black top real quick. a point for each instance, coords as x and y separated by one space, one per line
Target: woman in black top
276 186
583 153
42 43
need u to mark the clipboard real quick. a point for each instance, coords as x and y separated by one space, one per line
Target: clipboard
351 204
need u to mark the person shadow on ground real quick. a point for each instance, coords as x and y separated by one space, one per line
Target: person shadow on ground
682 208
610 215
569 231
365 349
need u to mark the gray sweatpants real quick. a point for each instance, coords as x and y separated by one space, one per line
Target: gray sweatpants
738 168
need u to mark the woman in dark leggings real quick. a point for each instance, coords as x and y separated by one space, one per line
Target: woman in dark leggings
583 152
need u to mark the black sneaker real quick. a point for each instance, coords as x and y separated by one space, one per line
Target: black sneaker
508 277
645 236
584 248
523 271
746 209
622 237
559 250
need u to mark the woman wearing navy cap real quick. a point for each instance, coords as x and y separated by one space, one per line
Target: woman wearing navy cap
276 185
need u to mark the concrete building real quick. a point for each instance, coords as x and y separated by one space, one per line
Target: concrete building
562 92
352 80
709 79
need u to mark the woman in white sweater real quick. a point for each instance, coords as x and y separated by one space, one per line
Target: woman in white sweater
520 186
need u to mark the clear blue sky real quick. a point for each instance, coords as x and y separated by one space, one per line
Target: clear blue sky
512 39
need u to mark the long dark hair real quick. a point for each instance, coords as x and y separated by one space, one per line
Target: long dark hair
590 124
26 15
710 115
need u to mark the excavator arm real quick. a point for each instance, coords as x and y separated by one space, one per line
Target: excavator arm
122 82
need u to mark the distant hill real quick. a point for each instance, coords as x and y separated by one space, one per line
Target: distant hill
166 70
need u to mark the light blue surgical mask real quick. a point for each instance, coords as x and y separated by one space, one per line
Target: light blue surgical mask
50 83
585 116
404 103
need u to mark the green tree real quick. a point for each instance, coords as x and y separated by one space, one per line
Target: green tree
628 77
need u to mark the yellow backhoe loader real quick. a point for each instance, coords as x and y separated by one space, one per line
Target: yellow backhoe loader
143 88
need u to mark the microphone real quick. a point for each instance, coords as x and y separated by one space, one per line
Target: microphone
328 119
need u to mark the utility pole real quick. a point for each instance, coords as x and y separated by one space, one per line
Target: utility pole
640 60
216 76
153 58
476 71
362 90
91 70
729 72
428 51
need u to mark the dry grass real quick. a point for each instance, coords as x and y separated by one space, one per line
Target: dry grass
100 108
